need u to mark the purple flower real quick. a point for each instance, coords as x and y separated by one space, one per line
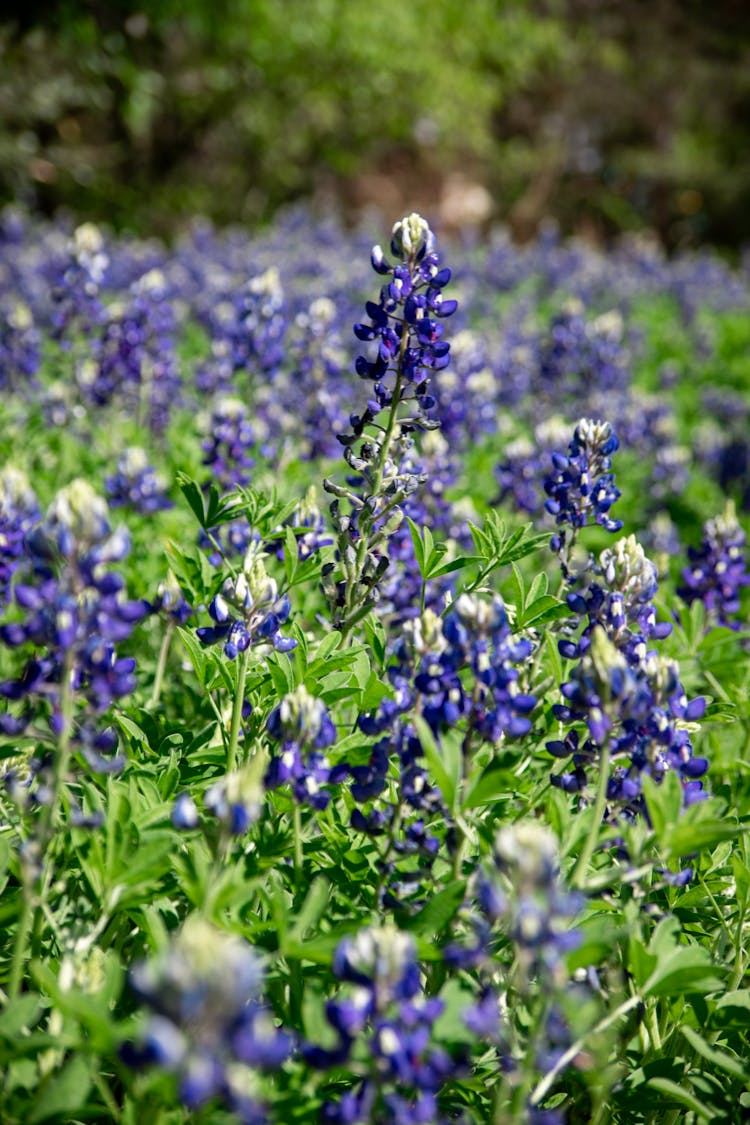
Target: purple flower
206 1020
717 574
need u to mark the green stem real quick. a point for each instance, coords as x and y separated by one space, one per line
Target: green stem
543 1088
162 664
392 834
652 1026
239 699
21 942
45 832
353 593
579 872
298 851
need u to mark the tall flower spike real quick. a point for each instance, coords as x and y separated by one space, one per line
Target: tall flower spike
582 485
405 327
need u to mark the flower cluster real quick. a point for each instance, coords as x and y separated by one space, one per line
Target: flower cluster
304 728
135 357
136 484
617 593
20 346
248 611
19 512
640 711
383 1024
582 486
717 574
458 671
521 894
226 448
76 612
406 325
77 284
206 1021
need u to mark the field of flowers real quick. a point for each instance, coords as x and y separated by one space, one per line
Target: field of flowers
375 679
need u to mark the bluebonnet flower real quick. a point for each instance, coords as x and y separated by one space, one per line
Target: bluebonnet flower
405 324
20 346
207 1023
185 812
248 612
641 711
617 593
582 487
170 602
228 444
304 728
717 574
77 286
19 512
579 356
236 800
318 361
136 356
384 1020
456 670
257 334
76 614
136 484
520 898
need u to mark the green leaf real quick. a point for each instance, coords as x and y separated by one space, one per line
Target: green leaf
686 838
312 909
495 784
445 777
442 907
21 1014
687 969
452 565
196 652
416 538
641 963
328 645
683 1096
545 608
191 490
63 1093
730 1064
732 1010
291 555
664 803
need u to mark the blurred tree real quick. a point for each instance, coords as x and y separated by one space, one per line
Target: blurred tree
605 114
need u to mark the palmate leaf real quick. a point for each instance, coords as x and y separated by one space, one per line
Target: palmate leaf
499 547
211 509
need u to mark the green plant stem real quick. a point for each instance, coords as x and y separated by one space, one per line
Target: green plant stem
162 664
19 946
368 517
45 831
298 851
392 834
579 872
652 1026
543 1087
239 699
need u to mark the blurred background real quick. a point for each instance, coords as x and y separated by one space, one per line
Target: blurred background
608 116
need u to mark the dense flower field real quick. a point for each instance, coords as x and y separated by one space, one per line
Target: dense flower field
375 676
